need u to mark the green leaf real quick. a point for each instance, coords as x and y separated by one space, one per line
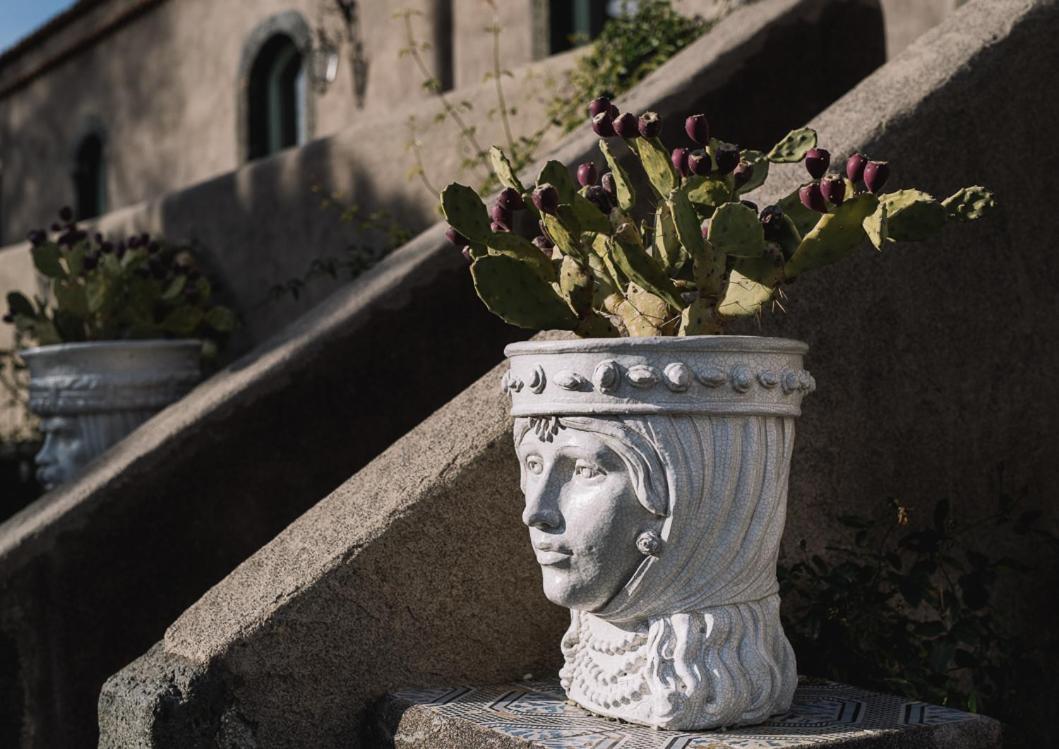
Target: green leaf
969 204
513 291
735 230
656 164
502 169
520 248
793 147
559 176
465 212
18 304
744 296
46 260
622 183
629 255
172 291
835 236
183 320
221 319
912 215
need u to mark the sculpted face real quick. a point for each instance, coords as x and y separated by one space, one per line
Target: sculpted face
583 517
63 453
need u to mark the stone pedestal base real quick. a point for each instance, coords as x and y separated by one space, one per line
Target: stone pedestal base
536 714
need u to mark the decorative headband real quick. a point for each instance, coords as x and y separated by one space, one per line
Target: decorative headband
719 375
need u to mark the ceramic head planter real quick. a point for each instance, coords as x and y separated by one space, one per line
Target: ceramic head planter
90 395
655 477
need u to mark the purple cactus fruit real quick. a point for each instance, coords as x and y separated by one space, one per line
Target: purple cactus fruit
466 252
603 125
742 173
598 196
627 126
598 105
812 198
544 244
511 199
546 198
9 318
613 112
699 163
36 237
855 167
833 188
66 213
727 158
456 238
680 157
498 228
56 227
650 124
698 129
875 175
502 216
608 184
817 161
771 217
90 261
587 174
705 229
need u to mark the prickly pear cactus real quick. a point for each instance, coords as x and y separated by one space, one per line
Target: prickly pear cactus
700 255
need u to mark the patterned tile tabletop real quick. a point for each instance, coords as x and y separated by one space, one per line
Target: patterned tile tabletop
536 714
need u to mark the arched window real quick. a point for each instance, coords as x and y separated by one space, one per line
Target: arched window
572 22
90 179
276 93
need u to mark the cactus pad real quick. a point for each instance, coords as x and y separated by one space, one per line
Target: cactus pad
564 229
656 164
969 204
759 169
804 219
502 169
668 249
704 191
912 215
594 325
736 230
513 291
557 175
589 216
629 256
622 184
834 237
875 226
520 248
465 212
699 318
793 147
575 282
744 296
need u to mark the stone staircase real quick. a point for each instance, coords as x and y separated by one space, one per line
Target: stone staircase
931 372
91 574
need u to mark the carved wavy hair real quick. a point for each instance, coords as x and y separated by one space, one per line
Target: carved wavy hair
713 639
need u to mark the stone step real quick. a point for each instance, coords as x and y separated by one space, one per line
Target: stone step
536 714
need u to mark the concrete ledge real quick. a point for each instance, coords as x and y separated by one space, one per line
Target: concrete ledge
536 714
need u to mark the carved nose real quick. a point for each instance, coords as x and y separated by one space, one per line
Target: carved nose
542 511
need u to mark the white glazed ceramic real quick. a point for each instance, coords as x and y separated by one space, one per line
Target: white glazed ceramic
655 476
90 395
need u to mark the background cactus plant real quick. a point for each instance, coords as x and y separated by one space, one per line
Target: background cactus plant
699 255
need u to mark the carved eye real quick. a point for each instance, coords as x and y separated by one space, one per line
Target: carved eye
586 470
534 464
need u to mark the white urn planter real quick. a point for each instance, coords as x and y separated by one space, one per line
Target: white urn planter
90 395
655 477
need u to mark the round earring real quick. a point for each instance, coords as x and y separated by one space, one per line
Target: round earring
649 543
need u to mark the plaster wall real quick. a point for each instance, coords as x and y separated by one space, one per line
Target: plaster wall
163 88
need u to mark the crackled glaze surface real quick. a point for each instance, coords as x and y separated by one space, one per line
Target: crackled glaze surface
655 477
90 395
